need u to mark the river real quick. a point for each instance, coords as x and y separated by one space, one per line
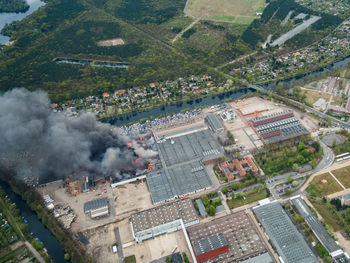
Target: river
7 18
35 226
176 108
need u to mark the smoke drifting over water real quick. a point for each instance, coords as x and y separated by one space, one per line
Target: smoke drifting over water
38 142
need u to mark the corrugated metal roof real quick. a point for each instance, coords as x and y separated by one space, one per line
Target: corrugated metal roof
96 203
210 243
290 244
201 207
263 258
214 122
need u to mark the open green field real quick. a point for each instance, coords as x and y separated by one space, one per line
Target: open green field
323 185
252 195
343 175
233 11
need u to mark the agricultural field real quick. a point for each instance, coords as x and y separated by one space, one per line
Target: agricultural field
233 11
323 185
343 175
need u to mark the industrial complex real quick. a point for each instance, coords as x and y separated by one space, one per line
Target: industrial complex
278 127
163 219
232 238
319 230
289 243
199 199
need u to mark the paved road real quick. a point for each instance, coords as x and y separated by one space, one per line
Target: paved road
120 246
327 161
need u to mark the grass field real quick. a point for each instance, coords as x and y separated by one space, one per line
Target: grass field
313 96
233 11
253 195
323 185
343 175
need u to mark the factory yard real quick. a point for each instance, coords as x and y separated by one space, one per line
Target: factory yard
82 221
100 243
130 198
147 212
158 247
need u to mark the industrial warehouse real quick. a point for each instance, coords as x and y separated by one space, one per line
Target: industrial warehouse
177 182
319 230
189 145
232 238
97 208
289 243
163 219
183 154
278 127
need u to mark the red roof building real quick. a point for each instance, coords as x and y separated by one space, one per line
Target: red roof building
236 168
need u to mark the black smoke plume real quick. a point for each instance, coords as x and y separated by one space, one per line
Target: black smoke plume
36 141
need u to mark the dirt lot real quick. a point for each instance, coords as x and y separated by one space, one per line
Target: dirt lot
130 198
101 240
158 247
111 42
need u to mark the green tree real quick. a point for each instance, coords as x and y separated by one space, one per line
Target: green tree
211 210
224 190
168 259
66 257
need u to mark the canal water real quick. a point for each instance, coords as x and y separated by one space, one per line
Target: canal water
176 108
35 226
7 18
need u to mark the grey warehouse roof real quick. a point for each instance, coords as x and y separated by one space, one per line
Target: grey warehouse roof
210 243
263 258
192 146
95 204
214 122
201 207
315 225
164 214
289 243
177 181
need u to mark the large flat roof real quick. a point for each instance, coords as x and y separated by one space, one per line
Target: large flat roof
315 225
209 243
177 181
215 122
263 258
290 244
240 232
95 204
164 214
191 146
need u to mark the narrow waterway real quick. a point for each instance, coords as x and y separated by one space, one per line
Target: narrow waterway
176 108
35 226
8 18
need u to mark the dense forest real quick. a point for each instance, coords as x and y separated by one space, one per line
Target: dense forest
17 6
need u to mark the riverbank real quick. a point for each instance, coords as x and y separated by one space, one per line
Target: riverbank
209 100
42 223
15 222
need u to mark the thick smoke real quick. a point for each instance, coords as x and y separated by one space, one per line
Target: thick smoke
39 142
